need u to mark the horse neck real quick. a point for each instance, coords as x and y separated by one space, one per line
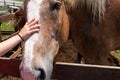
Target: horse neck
94 8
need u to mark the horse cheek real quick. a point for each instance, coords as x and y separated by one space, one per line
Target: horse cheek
64 33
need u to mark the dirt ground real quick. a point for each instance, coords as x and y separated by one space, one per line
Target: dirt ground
67 53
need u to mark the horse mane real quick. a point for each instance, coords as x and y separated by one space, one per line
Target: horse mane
97 7
18 20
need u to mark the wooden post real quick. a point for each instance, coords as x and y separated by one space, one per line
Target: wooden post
4 3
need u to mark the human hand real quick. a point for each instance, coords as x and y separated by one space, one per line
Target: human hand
29 28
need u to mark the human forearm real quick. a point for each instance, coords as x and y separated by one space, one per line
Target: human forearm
9 44
28 29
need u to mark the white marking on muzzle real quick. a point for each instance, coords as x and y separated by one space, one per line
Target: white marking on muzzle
33 11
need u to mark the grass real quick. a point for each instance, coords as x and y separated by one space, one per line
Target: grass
4 27
3 7
2 12
117 51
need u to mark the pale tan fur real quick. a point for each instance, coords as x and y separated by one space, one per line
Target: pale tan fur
97 7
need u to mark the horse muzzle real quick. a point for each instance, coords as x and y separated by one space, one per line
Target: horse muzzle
26 74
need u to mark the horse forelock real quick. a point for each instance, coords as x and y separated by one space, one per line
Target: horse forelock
97 7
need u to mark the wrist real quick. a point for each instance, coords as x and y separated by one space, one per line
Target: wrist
20 37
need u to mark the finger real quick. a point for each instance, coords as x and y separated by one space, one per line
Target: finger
30 21
33 22
35 27
34 30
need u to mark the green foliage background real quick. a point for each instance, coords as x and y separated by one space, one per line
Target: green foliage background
4 27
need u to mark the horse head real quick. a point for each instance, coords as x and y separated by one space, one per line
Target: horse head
41 48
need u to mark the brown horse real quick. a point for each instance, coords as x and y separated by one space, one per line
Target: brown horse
41 48
94 29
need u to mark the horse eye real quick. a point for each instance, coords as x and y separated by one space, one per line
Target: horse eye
56 6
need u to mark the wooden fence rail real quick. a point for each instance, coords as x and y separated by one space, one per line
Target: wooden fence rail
72 71
5 17
7 32
15 3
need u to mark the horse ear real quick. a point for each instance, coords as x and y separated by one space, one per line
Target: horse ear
64 33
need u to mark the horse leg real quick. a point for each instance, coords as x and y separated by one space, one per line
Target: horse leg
96 52
114 61
80 59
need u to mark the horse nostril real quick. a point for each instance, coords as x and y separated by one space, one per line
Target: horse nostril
42 76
